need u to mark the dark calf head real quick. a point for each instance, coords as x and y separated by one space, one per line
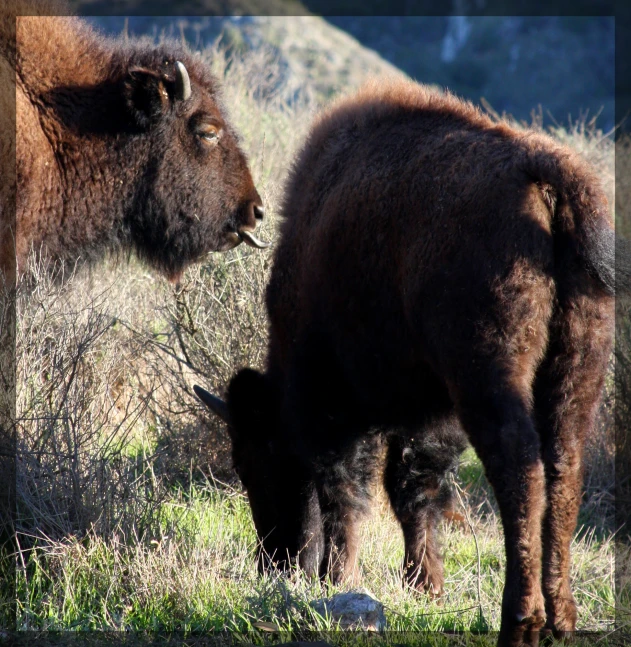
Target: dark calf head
279 485
196 194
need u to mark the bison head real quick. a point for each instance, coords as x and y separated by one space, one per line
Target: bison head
280 487
196 193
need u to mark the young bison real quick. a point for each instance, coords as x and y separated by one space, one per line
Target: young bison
437 270
123 146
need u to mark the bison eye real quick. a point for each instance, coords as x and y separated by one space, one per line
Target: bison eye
209 134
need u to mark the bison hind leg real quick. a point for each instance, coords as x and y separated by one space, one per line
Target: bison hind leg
415 478
567 395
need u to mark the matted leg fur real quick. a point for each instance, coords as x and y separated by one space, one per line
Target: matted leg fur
415 479
344 486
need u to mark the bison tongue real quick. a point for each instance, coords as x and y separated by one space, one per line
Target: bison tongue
251 240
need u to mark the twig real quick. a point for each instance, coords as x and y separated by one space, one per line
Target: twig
434 613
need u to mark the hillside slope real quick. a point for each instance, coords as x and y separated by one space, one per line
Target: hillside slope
563 64
310 55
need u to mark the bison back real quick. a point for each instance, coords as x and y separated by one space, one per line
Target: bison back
413 221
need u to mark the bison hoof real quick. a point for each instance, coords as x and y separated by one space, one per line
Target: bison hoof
523 631
555 633
519 637
562 618
426 585
550 636
434 592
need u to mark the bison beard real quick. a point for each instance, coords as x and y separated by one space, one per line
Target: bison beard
122 147
441 277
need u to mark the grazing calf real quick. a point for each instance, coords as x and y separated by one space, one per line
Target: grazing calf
436 271
121 146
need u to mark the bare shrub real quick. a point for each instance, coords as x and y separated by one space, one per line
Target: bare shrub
79 402
217 323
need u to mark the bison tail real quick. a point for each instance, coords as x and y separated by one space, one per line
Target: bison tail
581 220
604 256
607 257
596 245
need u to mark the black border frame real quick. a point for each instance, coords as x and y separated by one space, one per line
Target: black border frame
621 10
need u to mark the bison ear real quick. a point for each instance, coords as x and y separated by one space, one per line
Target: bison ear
253 405
146 96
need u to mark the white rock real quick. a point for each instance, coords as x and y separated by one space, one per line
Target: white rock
353 610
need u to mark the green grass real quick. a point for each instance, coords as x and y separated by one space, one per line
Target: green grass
198 574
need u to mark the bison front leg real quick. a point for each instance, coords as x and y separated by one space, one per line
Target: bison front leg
341 528
415 480
343 482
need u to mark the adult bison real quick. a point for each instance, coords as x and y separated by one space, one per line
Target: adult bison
437 271
123 146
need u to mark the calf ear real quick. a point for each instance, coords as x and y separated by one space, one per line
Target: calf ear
253 404
146 96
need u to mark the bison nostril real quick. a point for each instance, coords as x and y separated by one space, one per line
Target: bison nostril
259 212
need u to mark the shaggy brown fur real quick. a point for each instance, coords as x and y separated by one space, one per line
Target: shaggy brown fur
437 271
109 158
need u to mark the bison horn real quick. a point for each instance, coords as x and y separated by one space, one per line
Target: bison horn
182 82
250 239
215 404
